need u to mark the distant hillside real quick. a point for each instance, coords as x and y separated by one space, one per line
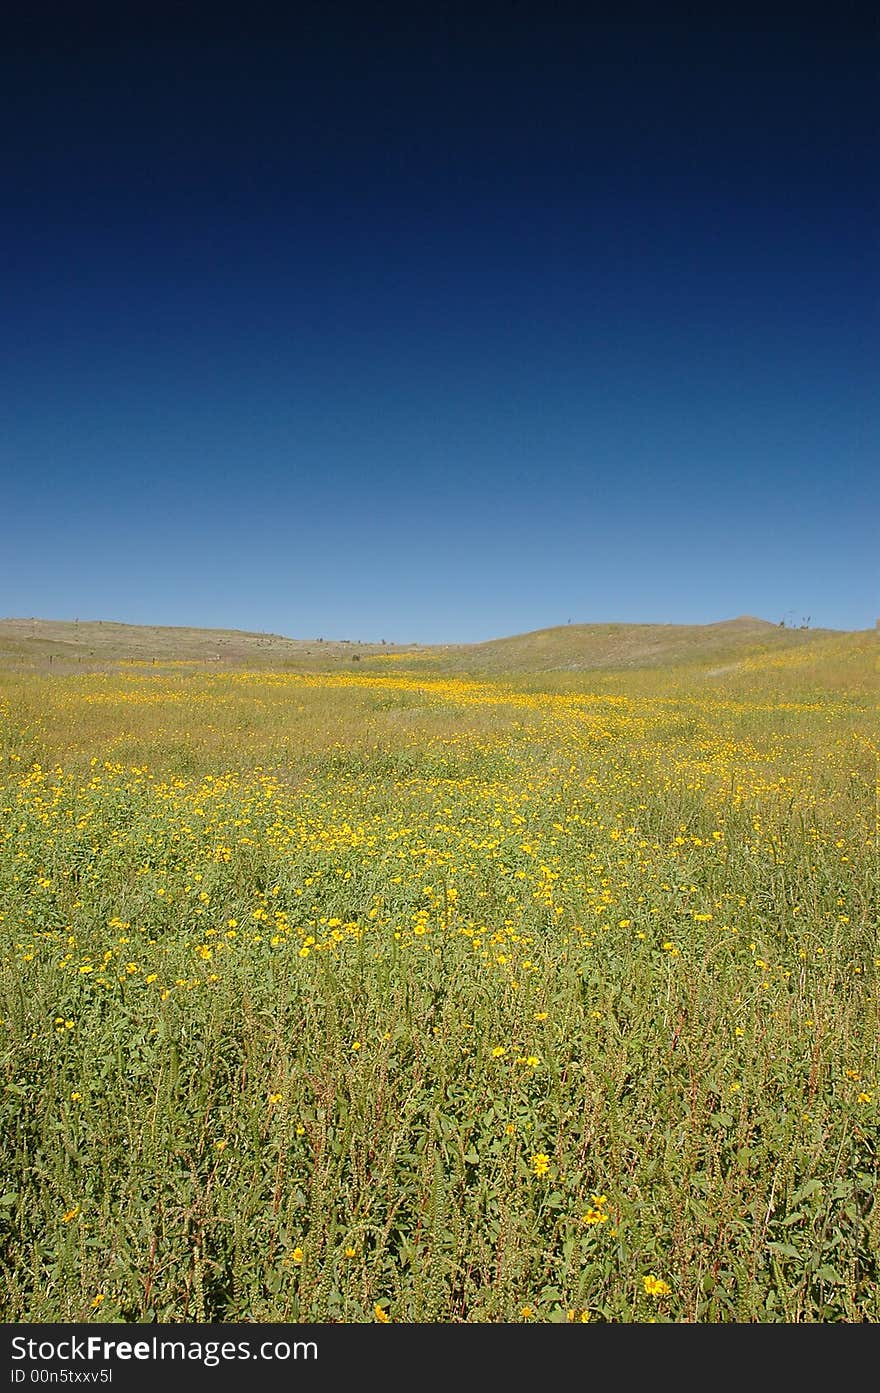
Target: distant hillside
591 647
63 646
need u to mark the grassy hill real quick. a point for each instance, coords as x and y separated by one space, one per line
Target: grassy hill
715 649
588 647
96 643
648 657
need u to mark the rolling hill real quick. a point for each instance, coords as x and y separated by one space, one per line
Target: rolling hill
56 645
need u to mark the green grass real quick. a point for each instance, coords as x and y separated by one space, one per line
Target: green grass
380 993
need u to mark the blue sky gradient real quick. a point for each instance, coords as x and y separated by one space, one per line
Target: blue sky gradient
438 324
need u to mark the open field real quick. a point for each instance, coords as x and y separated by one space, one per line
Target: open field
530 981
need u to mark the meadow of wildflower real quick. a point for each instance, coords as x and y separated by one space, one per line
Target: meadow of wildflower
391 992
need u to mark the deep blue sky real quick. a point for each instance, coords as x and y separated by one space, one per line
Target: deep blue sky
438 323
